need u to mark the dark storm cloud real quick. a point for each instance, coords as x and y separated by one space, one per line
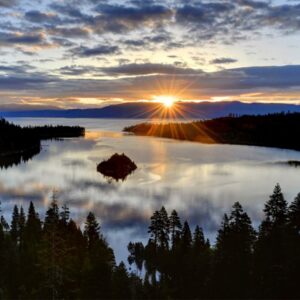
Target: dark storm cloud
83 51
223 60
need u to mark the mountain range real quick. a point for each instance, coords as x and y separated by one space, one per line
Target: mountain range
140 110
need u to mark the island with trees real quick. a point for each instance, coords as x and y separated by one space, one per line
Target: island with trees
272 130
21 143
117 167
55 258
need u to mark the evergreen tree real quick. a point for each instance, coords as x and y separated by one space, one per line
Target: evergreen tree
65 214
294 247
233 255
22 223
175 228
14 227
121 283
276 208
294 215
52 253
271 251
159 228
98 264
186 237
92 230
198 239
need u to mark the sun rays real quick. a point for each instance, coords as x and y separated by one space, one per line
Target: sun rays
167 101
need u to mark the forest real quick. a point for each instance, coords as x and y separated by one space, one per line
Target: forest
15 138
21 143
55 258
272 130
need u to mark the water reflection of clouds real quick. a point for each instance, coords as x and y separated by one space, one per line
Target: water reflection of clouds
200 181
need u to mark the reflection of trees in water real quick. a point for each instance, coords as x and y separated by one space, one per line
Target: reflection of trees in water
15 159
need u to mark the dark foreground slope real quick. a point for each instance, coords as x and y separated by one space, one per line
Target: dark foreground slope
274 130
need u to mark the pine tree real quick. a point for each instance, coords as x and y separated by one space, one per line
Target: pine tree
121 283
30 271
175 228
22 223
186 237
159 228
91 230
233 255
52 253
294 215
98 264
65 214
276 208
14 227
271 251
198 239
294 247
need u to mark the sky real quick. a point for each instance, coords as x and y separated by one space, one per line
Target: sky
91 53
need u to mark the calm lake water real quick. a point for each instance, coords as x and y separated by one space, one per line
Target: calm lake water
200 181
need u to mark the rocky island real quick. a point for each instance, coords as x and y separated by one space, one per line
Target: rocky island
118 167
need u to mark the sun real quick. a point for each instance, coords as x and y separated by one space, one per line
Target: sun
167 101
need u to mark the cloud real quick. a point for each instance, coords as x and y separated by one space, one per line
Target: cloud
148 68
118 18
142 81
223 60
83 51
69 32
22 38
36 16
8 3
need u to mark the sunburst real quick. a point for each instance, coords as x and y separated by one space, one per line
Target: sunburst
167 101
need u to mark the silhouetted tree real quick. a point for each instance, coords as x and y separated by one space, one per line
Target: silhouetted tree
175 228
271 251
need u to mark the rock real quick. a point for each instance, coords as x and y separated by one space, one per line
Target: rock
118 167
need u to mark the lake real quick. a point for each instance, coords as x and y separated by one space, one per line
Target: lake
200 181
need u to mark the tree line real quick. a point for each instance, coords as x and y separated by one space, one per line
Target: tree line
271 130
56 259
19 144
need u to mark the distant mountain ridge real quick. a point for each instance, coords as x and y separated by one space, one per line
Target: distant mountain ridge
140 110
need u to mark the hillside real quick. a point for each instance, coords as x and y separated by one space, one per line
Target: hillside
273 130
203 110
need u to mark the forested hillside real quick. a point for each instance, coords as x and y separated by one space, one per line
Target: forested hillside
274 130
